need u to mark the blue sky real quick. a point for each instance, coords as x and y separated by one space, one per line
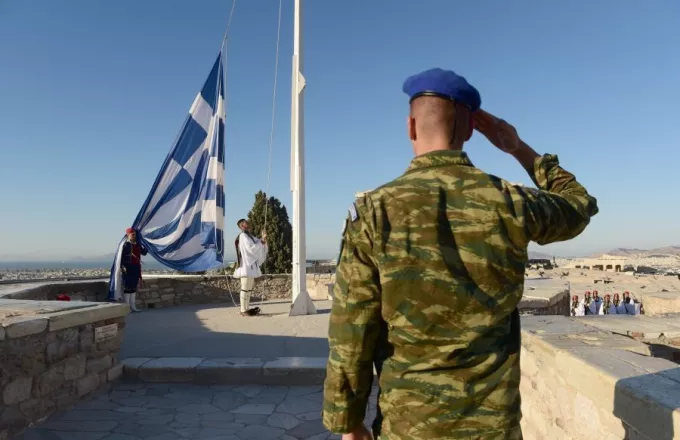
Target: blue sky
93 94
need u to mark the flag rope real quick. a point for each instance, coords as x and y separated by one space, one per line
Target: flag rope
271 133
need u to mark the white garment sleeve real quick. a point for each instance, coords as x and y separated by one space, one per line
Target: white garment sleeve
252 251
580 309
263 256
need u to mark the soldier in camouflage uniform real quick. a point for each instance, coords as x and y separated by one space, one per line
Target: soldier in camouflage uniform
437 257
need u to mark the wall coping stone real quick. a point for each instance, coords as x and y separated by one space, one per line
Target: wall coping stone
610 369
55 315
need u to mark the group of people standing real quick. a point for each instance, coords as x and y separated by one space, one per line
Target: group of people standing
593 304
251 253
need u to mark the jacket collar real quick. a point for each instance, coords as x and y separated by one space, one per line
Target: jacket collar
439 158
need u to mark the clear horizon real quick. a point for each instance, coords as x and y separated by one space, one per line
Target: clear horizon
94 94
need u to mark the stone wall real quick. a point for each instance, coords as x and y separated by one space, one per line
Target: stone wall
579 382
95 291
559 304
165 291
50 361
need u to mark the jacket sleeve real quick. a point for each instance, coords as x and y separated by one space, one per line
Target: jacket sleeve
560 209
353 330
252 251
263 255
125 254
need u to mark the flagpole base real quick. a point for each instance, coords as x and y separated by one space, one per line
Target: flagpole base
303 305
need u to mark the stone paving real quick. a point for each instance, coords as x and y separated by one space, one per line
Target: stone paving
176 411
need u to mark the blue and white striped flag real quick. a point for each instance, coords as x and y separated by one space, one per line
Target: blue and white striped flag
182 221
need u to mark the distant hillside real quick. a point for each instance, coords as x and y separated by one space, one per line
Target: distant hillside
629 252
539 256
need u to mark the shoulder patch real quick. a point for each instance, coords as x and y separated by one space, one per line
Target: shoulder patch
353 212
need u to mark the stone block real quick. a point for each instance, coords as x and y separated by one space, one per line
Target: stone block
67 396
59 350
86 339
596 339
322 292
99 364
17 390
639 326
168 297
111 345
87 384
131 366
50 381
22 357
554 325
24 326
68 334
13 419
37 410
169 369
74 318
74 367
114 373
295 371
229 371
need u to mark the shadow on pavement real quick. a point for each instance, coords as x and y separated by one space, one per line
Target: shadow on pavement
218 330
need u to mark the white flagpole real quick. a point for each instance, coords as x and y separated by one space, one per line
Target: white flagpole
302 304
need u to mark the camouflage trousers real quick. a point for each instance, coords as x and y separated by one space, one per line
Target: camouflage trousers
515 434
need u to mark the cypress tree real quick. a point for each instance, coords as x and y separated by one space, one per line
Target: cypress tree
279 232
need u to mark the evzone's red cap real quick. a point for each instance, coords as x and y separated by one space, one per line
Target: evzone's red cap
129 230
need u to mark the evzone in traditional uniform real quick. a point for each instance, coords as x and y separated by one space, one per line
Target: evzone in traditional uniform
632 307
596 304
608 307
577 307
620 307
131 266
587 300
251 253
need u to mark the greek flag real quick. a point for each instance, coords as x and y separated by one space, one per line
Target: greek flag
182 220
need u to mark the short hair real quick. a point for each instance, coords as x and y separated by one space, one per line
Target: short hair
238 223
436 116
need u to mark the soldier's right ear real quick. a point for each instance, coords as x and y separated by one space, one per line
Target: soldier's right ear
411 128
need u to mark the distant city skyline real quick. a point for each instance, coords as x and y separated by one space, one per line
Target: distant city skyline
534 252
94 93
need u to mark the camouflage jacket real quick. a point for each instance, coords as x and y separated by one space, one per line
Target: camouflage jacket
437 256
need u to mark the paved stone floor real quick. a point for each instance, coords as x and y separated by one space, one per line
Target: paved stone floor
218 330
178 411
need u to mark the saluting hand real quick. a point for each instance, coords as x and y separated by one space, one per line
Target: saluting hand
501 134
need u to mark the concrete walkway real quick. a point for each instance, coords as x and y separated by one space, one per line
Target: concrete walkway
174 412
218 331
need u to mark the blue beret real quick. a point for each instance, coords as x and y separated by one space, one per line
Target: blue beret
445 84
